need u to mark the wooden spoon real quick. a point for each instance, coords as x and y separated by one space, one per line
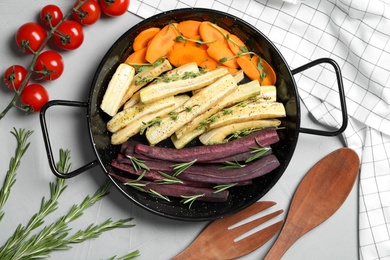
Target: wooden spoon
321 193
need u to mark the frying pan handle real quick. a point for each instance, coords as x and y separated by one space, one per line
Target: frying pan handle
46 139
341 94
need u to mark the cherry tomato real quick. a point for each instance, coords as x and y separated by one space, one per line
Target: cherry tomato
51 15
114 7
35 96
49 65
69 35
30 36
14 76
89 13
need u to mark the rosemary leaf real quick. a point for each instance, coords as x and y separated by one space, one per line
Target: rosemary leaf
127 256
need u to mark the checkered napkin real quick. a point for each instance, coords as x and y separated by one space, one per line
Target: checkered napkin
357 35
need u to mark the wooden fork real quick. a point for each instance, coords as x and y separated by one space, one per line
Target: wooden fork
217 241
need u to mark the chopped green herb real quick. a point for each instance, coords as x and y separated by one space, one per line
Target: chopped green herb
190 199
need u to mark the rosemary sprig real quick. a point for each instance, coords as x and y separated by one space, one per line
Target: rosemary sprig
190 199
258 152
127 256
21 136
158 195
222 187
55 236
180 167
168 179
47 207
136 184
232 165
137 163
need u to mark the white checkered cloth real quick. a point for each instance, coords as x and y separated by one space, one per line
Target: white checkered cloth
357 35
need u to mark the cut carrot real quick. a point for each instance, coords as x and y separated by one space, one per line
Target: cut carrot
186 54
249 68
212 33
209 63
137 56
143 38
179 45
223 54
268 73
236 44
189 28
162 43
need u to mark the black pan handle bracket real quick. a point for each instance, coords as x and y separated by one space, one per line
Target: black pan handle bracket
341 95
46 139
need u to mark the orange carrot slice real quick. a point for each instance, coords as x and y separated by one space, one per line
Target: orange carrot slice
137 56
143 38
236 44
222 54
162 43
212 33
189 28
179 45
249 68
186 54
268 73
209 63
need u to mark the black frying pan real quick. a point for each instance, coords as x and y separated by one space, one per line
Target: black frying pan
240 197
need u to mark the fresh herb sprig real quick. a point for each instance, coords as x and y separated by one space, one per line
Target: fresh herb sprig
21 136
190 199
181 167
222 187
55 236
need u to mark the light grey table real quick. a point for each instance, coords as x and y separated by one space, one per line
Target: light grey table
156 237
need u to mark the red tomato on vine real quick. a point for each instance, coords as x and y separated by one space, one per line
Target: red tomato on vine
49 65
114 7
69 35
14 76
30 36
35 96
89 13
51 15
